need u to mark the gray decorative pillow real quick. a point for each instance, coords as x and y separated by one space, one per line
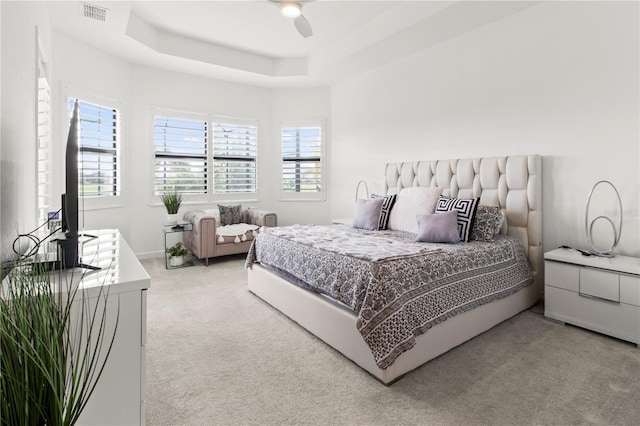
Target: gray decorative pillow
389 200
487 223
230 215
466 208
438 228
367 214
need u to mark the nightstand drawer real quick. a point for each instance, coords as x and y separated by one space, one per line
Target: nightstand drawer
630 290
600 284
615 319
562 275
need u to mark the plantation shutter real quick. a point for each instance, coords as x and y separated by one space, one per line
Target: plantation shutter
98 159
44 148
302 159
180 155
234 158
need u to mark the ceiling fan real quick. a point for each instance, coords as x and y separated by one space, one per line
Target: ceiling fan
293 9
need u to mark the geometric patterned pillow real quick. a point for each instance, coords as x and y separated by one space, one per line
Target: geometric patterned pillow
389 200
466 212
487 223
230 215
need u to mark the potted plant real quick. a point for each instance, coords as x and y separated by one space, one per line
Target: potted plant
49 366
176 253
172 202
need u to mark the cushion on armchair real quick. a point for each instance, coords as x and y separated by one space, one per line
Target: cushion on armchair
230 215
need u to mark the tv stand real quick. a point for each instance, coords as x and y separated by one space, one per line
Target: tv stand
119 289
67 255
87 236
119 397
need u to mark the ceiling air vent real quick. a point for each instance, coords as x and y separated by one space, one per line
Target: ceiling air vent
94 12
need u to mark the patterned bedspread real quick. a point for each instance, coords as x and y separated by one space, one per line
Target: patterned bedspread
398 288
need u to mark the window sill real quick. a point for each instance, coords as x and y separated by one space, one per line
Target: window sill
305 200
211 203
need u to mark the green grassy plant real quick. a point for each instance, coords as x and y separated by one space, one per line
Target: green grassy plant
172 201
54 345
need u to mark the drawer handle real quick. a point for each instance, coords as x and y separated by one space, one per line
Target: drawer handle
589 296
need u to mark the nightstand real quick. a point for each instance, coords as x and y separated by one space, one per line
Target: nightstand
597 293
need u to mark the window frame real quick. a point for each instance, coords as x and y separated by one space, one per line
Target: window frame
303 196
234 122
183 116
210 197
95 202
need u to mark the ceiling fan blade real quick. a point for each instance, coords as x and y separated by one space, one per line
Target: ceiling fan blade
303 26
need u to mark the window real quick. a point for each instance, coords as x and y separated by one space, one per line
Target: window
43 146
302 166
180 155
234 158
99 145
204 155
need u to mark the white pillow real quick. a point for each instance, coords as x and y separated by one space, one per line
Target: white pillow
410 203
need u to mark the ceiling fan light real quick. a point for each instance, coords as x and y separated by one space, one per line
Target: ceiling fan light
290 9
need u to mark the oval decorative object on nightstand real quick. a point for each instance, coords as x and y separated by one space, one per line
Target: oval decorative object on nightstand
588 226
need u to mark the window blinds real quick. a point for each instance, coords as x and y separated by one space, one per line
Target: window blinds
180 155
301 159
44 148
234 158
99 159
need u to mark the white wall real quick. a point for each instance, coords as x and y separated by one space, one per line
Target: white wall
301 104
82 71
140 89
152 87
19 115
557 79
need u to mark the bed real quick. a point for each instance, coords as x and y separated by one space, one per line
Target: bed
385 331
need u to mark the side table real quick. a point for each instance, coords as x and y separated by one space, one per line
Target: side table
179 227
601 294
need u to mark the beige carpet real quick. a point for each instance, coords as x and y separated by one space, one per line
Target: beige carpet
218 355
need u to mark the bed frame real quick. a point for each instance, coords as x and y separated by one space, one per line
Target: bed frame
513 183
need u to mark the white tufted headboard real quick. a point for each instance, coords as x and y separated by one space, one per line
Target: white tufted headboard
512 183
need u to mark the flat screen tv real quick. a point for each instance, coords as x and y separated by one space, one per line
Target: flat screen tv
68 249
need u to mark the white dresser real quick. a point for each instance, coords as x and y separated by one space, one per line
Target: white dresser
601 294
119 397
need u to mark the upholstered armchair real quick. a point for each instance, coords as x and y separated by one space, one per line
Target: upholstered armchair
210 239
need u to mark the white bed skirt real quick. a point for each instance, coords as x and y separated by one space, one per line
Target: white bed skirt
336 325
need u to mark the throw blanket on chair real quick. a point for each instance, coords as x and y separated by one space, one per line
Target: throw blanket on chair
238 230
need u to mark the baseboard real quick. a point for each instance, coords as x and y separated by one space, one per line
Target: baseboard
150 255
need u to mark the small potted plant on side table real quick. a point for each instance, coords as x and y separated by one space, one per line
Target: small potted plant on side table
176 253
172 202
